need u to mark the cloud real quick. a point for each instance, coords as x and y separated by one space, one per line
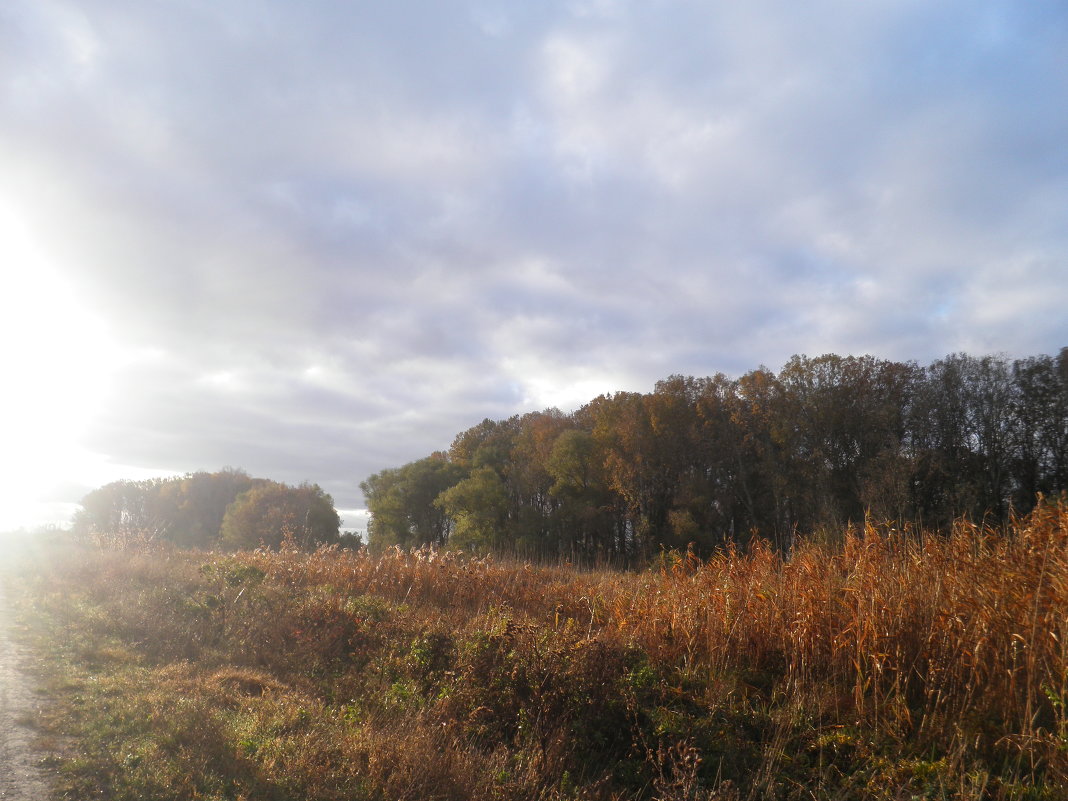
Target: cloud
330 238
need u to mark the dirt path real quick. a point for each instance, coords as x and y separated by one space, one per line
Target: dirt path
21 779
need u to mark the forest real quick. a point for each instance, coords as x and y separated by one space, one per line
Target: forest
825 443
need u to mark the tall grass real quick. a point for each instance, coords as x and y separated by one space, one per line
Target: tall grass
892 665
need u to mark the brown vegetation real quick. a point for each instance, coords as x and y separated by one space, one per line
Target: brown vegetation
890 666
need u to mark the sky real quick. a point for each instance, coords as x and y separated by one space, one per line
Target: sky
315 240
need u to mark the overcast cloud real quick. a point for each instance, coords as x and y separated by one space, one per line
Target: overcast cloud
320 239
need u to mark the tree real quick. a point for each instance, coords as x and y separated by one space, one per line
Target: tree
584 502
825 441
478 505
623 435
534 525
847 415
186 511
946 472
990 400
1040 404
272 513
125 509
766 453
197 504
402 503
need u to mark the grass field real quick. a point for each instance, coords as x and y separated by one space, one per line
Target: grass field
884 666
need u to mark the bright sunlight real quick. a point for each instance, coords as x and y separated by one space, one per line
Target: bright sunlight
57 361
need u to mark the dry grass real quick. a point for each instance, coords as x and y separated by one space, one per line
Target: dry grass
891 666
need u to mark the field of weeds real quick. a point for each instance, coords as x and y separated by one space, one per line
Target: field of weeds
888 667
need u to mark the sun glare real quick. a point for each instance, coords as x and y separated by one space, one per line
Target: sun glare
57 360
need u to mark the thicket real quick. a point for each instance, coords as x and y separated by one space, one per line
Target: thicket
228 508
889 666
823 443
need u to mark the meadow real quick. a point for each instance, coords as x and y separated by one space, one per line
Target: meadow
876 665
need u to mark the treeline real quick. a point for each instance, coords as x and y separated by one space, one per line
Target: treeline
227 509
702 461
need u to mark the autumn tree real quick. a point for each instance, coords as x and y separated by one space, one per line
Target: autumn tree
273 513
766 455
124 509
699 462
197 504
186 511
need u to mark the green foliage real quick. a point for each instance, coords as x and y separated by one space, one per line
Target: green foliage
479 507
401 502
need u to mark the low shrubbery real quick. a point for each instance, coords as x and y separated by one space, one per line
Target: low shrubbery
891 666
